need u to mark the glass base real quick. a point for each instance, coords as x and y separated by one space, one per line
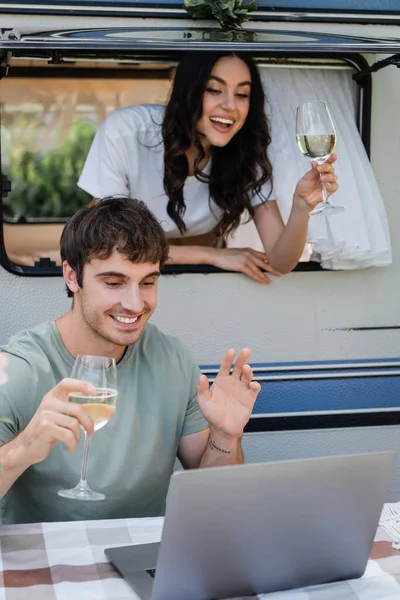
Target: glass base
81 493
326 208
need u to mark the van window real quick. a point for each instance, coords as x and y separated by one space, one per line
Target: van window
49 115
48 121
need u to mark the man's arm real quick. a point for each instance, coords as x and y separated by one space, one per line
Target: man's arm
13 463
207 448
221 450
56 420
227 407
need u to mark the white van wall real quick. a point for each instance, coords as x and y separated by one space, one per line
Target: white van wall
297 318
300 317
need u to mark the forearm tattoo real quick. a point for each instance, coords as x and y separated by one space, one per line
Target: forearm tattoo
214 446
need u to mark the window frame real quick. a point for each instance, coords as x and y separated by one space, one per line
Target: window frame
357 61
325 11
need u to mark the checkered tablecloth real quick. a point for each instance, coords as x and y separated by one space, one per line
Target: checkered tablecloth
66 561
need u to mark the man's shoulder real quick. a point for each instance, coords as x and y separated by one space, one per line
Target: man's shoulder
29 366
28 342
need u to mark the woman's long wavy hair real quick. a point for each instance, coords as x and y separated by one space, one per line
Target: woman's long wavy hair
239 169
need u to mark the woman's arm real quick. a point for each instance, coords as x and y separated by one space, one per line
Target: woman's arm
243 260
284 244
190 255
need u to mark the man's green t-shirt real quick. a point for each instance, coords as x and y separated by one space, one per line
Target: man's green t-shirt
132 458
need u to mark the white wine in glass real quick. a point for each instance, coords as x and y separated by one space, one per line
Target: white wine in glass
101 405
317 147
316 139
101 372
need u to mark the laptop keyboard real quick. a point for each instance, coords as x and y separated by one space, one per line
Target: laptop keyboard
151 572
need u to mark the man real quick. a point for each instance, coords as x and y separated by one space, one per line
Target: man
112 253
3 364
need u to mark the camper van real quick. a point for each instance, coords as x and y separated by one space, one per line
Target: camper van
325 339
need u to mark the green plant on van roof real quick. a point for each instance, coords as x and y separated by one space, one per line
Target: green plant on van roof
230 14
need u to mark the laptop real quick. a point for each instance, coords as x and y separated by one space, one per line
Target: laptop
257 528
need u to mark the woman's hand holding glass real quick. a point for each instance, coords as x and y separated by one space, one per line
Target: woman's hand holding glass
309 193
316 139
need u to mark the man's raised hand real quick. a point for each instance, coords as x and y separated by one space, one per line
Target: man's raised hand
228 403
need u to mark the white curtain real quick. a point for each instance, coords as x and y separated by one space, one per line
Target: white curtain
359 236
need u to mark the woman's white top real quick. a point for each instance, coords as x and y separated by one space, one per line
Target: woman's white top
127 158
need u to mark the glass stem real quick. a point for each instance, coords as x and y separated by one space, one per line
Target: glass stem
83 482
324 195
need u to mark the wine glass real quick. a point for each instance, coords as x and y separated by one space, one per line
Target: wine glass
316 139
101 372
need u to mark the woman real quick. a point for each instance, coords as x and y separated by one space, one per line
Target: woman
201 162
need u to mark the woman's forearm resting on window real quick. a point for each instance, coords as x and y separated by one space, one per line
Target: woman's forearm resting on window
191 255
242 260
283 244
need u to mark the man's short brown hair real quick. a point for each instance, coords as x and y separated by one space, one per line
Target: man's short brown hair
113 223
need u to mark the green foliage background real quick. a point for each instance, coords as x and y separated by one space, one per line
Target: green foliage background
45 185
